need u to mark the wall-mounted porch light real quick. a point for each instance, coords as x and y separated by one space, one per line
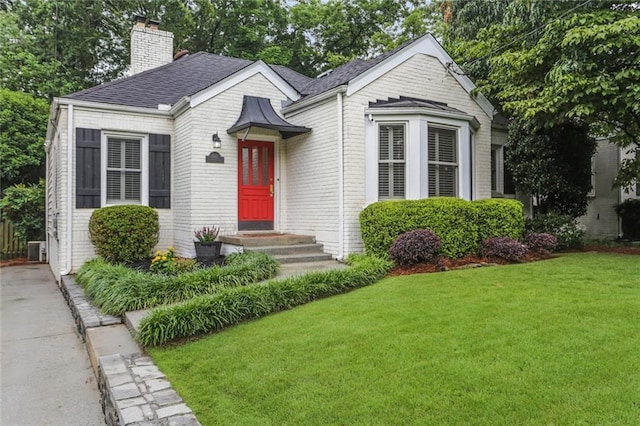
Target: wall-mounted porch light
217 143
215 157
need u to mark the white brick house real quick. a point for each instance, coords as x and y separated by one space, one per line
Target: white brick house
297 155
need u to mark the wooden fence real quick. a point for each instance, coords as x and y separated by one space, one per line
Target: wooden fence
10 245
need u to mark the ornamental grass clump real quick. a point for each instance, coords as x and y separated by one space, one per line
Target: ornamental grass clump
116 289
503 248
541 242
214 312
420 245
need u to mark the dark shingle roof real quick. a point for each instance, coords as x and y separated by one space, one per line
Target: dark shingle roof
190 74
408 102
347 72
166 84
294 78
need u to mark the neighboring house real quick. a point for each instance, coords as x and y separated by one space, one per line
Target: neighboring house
601 220
296 155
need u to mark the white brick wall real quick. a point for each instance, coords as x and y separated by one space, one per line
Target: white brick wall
311 202
424 77
150 48
55 200
113 121
214 191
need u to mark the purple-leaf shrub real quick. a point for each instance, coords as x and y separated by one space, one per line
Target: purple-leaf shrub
420 245
541 242
504 248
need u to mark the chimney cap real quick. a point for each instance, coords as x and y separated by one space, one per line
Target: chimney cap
180 54
140 19
154 23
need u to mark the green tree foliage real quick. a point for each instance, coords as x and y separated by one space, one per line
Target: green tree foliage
23 205
554 62
51 48
23 121
337 31
552 163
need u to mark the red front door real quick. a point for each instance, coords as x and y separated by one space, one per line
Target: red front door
255 185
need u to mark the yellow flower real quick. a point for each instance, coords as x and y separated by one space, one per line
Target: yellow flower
164 257
158 252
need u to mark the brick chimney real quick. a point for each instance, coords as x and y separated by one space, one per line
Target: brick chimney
150 47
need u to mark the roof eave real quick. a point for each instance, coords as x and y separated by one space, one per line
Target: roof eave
424 111
114 107
305 103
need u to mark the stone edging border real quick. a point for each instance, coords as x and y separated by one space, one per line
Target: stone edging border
84 313
133 390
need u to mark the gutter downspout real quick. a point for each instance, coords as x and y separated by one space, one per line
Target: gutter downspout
69 266
340 178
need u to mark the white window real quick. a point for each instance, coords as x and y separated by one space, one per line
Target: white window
124 172
391 161
443 162
124 158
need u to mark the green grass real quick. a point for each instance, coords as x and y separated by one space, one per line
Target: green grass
551 342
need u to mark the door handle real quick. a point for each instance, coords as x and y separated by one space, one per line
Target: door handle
271 190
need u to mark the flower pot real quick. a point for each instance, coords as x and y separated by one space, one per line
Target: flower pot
208 250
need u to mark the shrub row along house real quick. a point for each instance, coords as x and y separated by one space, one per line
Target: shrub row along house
208 139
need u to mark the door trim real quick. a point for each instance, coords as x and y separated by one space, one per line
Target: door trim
258 225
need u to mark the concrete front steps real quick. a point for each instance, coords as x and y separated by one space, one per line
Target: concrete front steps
286 248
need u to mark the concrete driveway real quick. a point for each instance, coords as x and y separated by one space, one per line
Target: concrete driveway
45 374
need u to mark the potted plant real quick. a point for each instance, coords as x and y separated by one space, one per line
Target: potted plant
206 245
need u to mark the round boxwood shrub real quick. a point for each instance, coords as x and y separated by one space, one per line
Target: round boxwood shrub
629 212
563 227
124 234
420 245
504 248
541 242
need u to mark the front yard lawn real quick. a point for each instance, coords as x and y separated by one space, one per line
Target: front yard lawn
550 342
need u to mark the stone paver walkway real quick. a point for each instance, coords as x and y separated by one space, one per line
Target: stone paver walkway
46 377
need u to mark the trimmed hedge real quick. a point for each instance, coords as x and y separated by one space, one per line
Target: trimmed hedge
457 222
124 234
499 217
116 289
206 314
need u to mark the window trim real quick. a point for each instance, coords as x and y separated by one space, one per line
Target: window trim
391 160
437 163
144 165
416 172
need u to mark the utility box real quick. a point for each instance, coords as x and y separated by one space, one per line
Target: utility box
36 251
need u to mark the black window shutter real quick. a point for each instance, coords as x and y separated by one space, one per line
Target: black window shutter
87 168
160 171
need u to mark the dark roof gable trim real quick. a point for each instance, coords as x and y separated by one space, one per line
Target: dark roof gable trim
258 112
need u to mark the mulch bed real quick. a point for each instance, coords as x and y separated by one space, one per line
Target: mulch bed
145 265
466 262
